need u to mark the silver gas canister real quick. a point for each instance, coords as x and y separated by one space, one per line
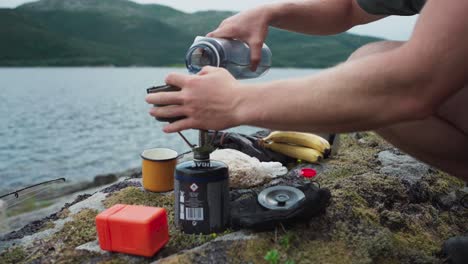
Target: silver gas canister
231 54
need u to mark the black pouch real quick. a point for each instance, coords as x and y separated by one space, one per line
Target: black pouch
248 144
247 212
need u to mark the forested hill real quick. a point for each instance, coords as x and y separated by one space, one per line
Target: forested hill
124 33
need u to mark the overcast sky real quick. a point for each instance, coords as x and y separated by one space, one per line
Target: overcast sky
395 28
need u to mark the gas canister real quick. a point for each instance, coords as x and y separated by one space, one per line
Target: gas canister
202 196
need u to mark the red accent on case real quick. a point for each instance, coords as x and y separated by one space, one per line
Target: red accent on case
308 173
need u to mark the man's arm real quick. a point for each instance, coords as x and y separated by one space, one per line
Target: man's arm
322 17
318 17
407 83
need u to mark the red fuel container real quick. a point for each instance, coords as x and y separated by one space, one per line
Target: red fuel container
133 229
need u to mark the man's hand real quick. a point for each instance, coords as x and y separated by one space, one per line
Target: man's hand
250 26
209 100
308 17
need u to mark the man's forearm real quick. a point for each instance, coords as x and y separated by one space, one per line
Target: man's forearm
406 83
318 17
366 94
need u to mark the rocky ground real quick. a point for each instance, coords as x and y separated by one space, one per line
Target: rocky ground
38 203
386 208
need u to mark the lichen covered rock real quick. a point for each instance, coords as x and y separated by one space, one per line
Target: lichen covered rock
375 216
401 165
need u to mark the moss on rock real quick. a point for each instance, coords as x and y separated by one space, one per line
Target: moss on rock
60 247
319 251
291 247
47 225
13 255
387 208
138 196
79 231
372 218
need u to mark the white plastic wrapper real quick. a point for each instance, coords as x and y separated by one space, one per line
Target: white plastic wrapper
246 171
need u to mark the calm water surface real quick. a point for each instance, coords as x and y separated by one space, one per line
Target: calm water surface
80 122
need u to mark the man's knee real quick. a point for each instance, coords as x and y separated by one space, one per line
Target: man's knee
373 48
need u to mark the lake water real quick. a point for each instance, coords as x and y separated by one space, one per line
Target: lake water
80 122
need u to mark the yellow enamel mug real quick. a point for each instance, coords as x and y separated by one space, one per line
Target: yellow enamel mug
158 169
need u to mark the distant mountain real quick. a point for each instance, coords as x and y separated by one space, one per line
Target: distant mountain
124 33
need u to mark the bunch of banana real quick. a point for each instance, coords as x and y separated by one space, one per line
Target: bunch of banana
305 146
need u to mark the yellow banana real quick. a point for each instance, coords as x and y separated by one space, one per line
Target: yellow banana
301 139
298 152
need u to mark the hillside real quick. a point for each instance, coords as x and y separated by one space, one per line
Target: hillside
124 33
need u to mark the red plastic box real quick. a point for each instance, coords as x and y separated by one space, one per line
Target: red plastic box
133 229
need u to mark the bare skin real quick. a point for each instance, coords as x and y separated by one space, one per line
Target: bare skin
412 93
418 138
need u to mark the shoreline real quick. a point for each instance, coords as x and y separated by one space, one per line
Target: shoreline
23 214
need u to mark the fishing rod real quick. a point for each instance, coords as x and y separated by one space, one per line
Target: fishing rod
16 193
